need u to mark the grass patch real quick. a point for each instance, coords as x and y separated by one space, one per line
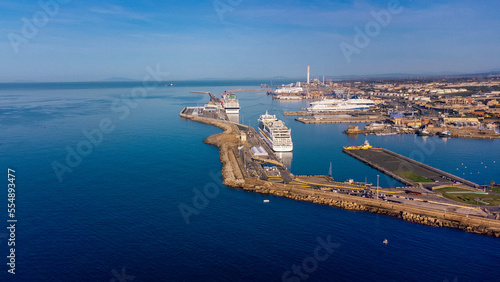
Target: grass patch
412 176
452 189
496 189
467 197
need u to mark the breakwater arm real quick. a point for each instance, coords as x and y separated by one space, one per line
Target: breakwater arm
228 139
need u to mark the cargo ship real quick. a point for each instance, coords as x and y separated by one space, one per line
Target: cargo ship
275 133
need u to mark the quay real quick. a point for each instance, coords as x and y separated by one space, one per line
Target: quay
264 174
406 170
300 113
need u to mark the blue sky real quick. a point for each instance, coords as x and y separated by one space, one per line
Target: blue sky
95 40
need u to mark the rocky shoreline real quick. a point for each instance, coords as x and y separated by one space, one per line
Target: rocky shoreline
228 140
411 214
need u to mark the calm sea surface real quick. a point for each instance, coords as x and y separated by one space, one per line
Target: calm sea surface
101 178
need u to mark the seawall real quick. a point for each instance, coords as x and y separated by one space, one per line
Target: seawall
413 214
225 141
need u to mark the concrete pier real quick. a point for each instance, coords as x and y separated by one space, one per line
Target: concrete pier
391 163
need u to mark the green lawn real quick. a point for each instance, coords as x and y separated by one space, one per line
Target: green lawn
467 197
412 176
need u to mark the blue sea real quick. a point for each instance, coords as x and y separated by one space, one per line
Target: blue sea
116 187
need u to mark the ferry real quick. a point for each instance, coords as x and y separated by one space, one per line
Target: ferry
230 103
326 101
365 146
275 133
289 90
355 100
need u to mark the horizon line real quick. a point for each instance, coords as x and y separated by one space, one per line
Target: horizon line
387 76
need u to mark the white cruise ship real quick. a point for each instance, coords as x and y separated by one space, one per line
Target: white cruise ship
360 101
230 103
333 105
275 133
326 101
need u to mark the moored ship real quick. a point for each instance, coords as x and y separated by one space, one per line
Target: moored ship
333 105
326 101
275 133
230 103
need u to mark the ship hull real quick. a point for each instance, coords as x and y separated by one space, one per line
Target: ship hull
275 147
232 110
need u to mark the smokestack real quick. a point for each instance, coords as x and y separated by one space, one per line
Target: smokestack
307 74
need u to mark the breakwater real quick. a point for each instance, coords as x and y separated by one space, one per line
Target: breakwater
226 141
419 215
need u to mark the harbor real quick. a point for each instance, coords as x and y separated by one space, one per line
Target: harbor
250 163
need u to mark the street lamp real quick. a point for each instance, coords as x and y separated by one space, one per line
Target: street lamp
377 184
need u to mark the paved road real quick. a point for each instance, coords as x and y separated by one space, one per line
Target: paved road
254 140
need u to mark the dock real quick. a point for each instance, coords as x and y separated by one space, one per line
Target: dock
307 113
406 170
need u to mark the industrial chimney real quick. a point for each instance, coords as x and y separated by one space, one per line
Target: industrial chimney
307 74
